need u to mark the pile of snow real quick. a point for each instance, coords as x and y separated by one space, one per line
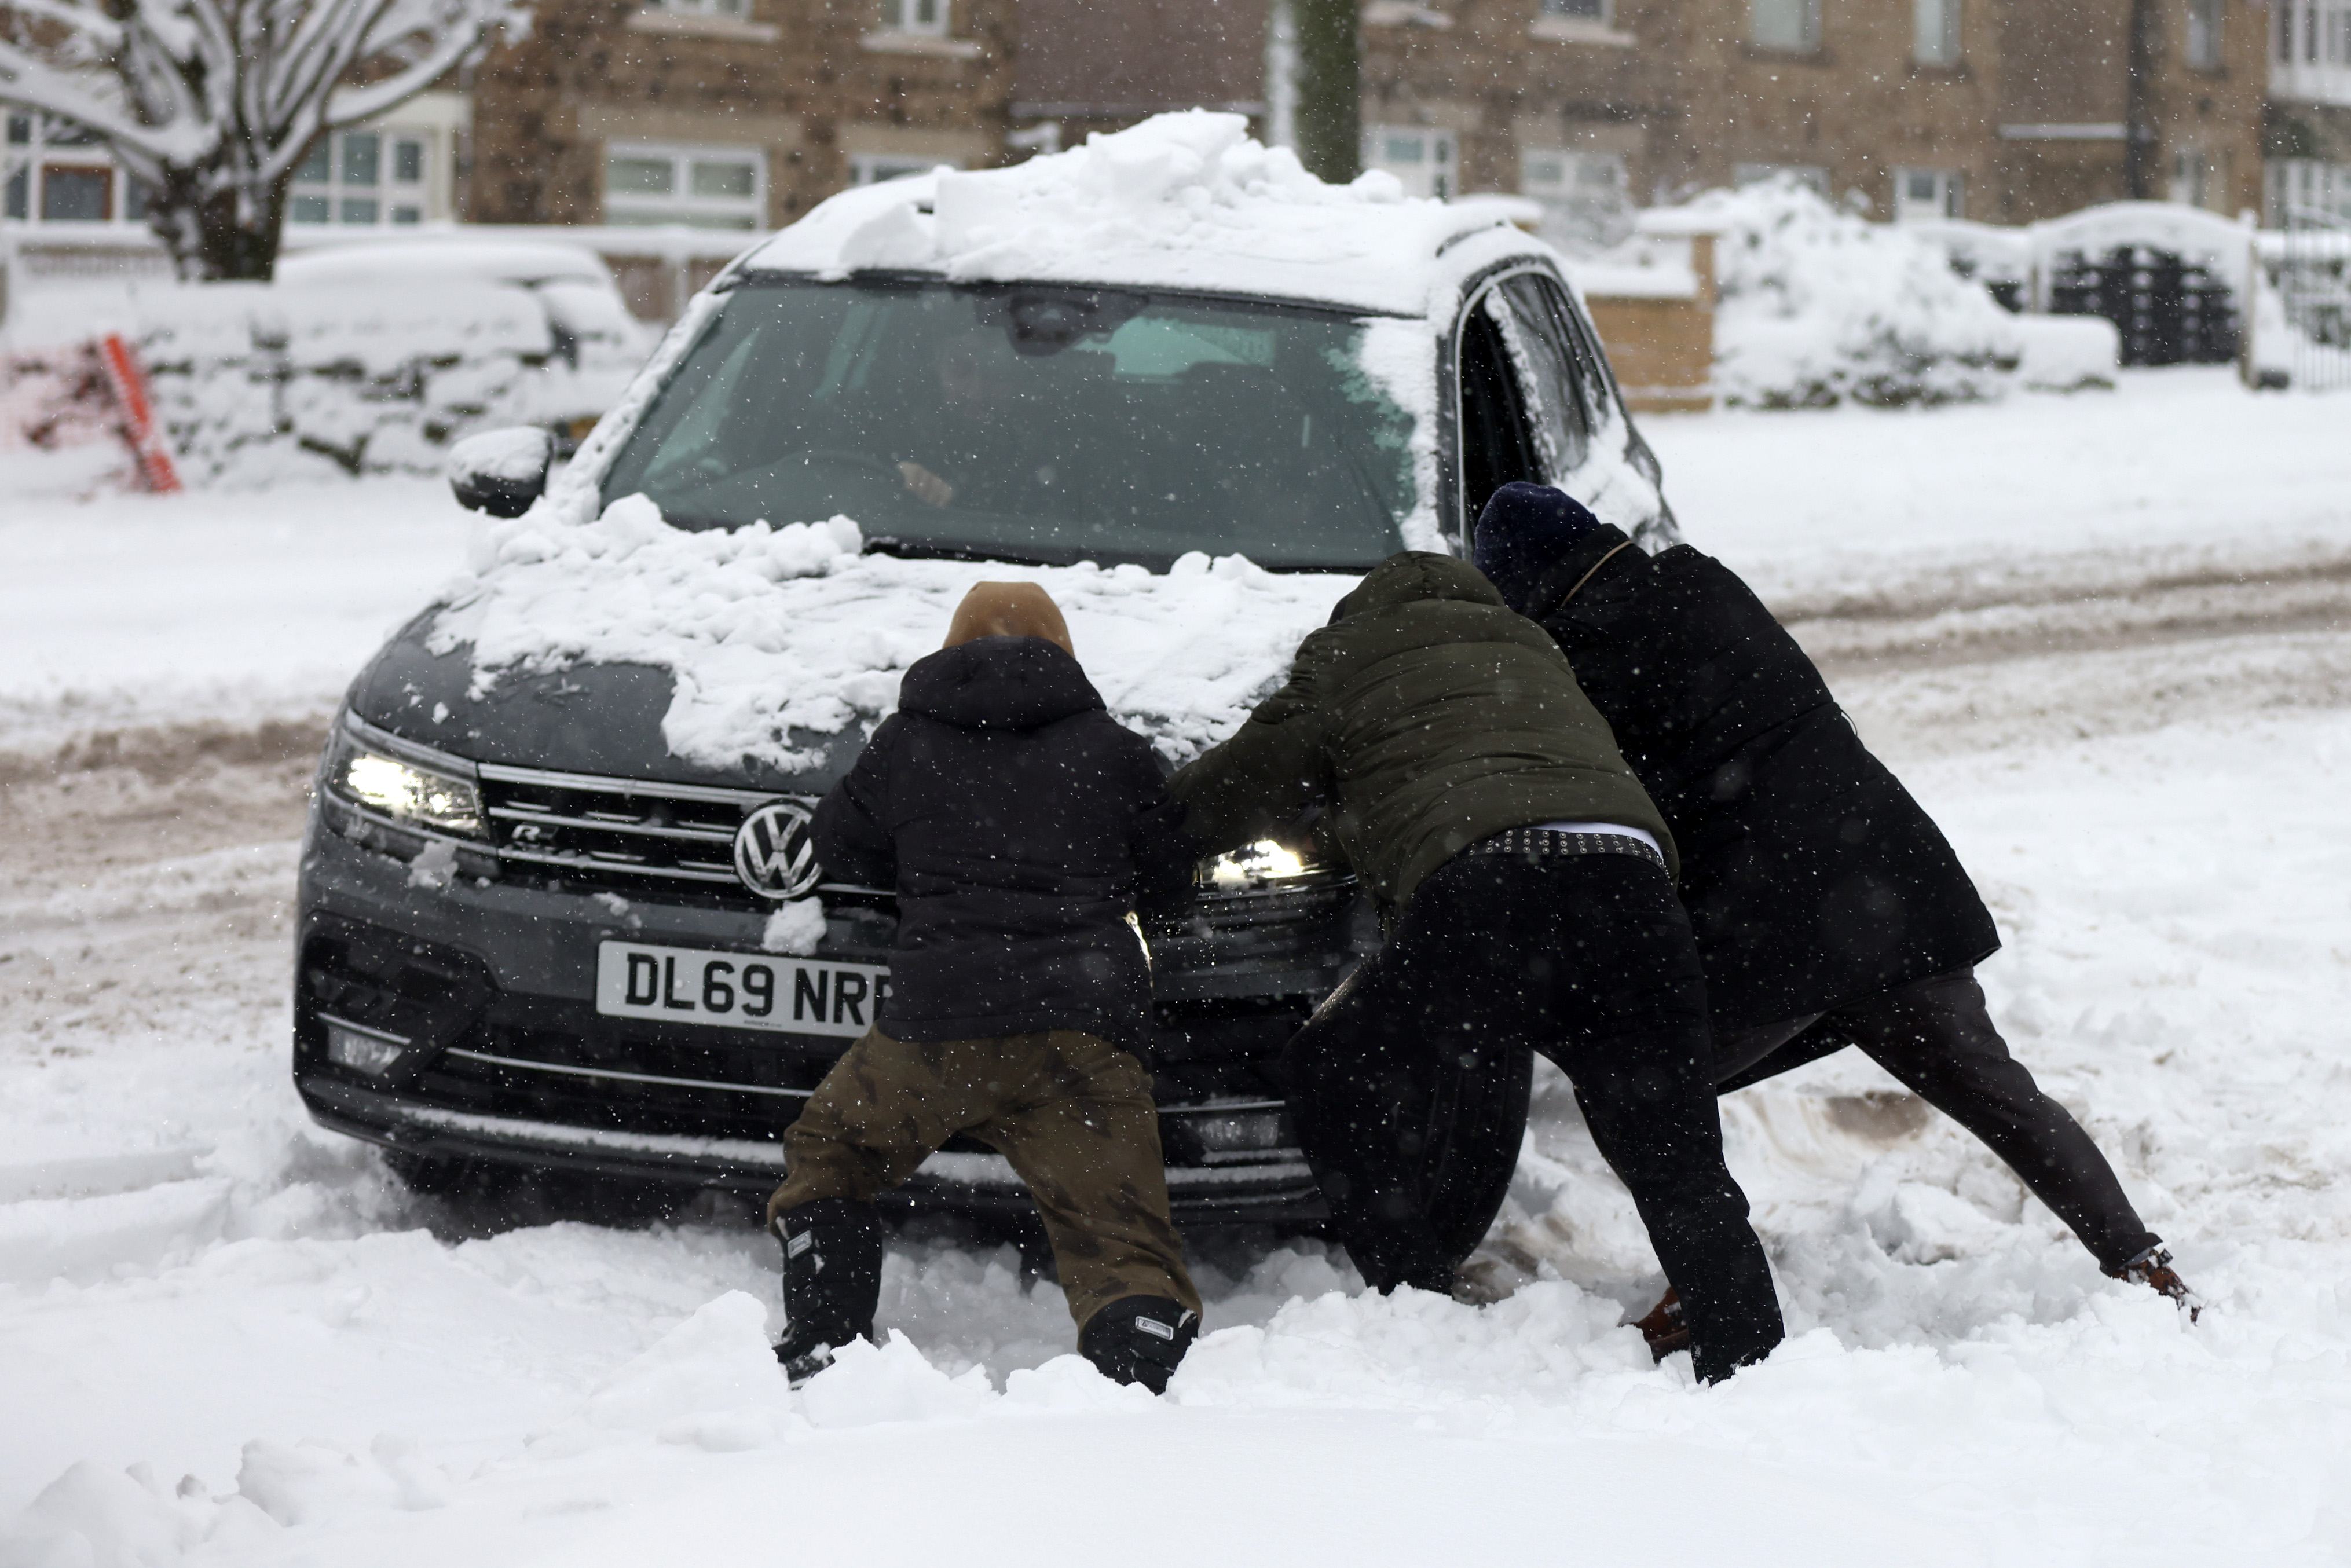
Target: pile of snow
1182 199
1819 308
771 629
258 383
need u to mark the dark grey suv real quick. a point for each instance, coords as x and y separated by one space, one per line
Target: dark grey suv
542 944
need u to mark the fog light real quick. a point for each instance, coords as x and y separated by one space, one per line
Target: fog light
1236 1135
368 1050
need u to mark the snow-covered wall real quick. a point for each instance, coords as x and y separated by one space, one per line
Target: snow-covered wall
257 382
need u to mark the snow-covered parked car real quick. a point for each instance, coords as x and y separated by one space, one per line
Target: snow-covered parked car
559 906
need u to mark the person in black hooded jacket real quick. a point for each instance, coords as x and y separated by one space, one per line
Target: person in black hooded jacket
1020 825
1829 909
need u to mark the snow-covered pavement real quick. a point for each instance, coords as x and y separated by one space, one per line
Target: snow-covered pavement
195 1282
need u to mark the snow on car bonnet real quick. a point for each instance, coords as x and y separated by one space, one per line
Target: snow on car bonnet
766 631
1181 201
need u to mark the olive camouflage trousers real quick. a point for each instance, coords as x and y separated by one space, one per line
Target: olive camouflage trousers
1072 1112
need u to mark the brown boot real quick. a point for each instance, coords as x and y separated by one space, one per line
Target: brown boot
2153 1269
1663 1327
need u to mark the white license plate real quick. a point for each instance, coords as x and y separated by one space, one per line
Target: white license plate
737 990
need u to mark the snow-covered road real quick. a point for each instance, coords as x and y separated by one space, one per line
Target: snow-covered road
2148 786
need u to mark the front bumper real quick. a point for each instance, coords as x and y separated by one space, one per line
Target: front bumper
488 987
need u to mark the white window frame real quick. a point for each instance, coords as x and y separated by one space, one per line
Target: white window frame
917 18
2307 184
1435 171
399 202
1586 194
2203 33
1812 176
1935 32
1946 197
1805 39
877 168
680 206
35 158
2193 176
731 10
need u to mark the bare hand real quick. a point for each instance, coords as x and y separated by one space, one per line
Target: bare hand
925 487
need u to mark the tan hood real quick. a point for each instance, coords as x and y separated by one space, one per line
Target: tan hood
1008 610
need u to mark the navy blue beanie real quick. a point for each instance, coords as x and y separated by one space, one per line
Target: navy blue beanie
1523 533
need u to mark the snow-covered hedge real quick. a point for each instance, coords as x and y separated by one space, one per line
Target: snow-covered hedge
256 382
1818 308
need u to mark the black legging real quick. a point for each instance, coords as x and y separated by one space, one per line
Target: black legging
1938 1038
1588 960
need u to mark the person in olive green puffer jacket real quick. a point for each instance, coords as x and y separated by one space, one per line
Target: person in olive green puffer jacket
1431 717
1524 876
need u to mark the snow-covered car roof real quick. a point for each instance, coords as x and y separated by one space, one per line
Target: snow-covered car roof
1182 201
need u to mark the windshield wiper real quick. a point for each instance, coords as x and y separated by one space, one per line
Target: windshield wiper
935 550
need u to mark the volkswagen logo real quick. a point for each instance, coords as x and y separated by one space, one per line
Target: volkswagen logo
775 854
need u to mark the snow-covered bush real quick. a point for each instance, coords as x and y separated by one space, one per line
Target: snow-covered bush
255 383
1819 308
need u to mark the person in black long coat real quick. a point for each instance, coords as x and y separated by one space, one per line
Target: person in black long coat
1829 909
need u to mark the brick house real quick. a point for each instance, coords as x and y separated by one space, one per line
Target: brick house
2006 110
732 114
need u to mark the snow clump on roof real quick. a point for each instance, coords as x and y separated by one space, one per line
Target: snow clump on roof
1185 199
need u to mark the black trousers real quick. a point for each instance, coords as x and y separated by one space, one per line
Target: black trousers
1938 1038
1588 960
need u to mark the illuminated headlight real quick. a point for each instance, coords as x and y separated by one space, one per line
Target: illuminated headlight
409 794
368 1050
1263 863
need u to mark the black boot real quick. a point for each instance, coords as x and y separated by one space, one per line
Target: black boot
833 1281
1140 1339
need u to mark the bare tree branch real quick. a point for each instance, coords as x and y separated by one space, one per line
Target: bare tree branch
213 104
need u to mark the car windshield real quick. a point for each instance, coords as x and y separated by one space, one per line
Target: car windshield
1031 424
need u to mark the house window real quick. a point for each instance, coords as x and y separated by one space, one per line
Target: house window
1925 194
2306 187
1583 195
915 16
1811 176
363 179
739 9
2204 33
2192 177
700 187
1792 27
54 172
1594 11
873 168
1426 161
1937 40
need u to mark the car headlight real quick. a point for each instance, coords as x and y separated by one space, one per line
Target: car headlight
1265 864
405 791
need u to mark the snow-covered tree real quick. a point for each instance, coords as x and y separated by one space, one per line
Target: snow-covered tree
215 103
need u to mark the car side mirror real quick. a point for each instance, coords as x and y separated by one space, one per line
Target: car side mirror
501 472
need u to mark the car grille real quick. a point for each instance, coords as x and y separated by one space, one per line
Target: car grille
619 832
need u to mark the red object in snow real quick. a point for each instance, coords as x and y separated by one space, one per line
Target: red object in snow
139 427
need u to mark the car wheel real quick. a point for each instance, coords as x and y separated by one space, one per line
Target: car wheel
1414 1149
